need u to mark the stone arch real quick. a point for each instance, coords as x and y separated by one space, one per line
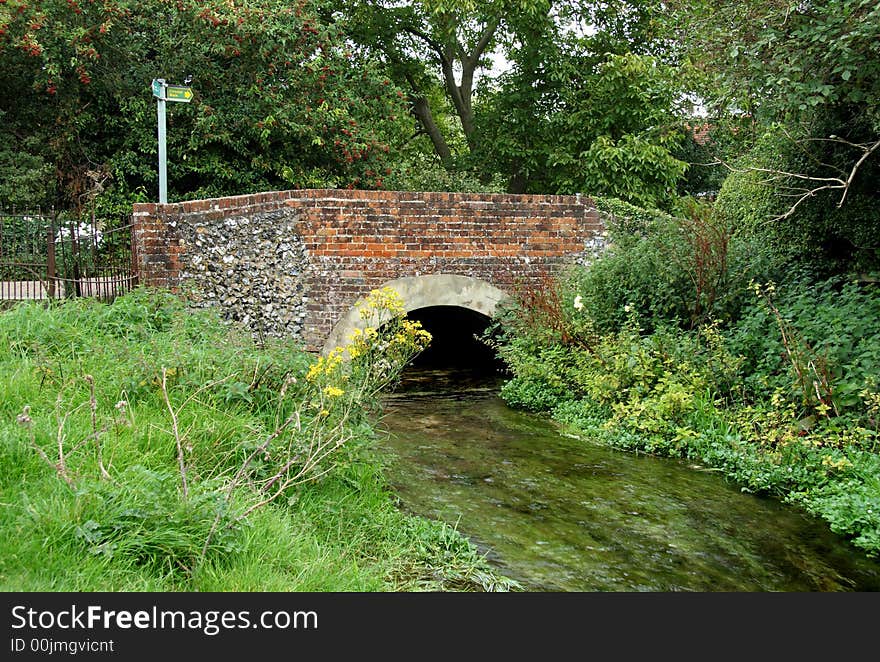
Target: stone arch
423 292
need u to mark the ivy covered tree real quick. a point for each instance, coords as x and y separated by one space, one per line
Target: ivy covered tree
280 99
804 80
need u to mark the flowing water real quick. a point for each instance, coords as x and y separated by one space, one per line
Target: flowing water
562 514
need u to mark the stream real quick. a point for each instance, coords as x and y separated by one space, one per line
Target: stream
562 514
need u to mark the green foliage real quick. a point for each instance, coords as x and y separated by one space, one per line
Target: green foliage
542 379
625 220
615 134
783 398
835 324
685 269
571 113
746 197
632 169
606 126
425 172
796 57
27 177
807 81
852 504
279 100
708 145
819 236
438 51
635 276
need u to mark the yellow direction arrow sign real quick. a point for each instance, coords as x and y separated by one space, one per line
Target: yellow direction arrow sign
178 93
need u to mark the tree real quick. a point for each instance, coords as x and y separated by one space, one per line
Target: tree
813 66
604 125
280 100
528 123
804 81
426 43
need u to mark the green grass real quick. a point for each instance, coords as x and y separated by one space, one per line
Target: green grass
65 369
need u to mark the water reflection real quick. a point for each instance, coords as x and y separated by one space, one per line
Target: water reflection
561 514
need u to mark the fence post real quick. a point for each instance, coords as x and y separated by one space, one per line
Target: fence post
134 276
50 259
74 253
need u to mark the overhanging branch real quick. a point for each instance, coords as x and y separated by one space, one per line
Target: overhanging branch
842 183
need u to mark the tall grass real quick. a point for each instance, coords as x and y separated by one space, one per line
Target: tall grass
147 447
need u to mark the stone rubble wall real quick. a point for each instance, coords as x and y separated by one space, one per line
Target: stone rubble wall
253 267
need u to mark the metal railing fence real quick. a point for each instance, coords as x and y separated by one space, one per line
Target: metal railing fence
45 254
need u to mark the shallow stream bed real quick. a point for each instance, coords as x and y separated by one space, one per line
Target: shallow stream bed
560 514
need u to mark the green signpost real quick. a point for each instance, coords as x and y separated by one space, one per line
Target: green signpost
178 93
165 92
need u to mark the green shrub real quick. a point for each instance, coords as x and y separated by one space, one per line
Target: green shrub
424 172
851 504
625 220
831 330
667 269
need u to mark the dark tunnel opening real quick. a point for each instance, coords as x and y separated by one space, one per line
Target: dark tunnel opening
455 344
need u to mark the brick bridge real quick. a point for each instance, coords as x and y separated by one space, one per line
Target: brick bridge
295 263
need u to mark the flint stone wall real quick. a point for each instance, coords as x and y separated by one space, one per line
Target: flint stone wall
253 267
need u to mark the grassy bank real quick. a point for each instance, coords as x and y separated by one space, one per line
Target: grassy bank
144 447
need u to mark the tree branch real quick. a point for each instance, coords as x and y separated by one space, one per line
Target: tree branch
483 41
435 45
868 150
823 183
422 111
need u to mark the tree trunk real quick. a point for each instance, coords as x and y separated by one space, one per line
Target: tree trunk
422 112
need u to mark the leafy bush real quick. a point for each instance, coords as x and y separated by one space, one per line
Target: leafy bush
633 168
425 172
625 220
683 269
707 144
26 180
830 337
851 504
542 381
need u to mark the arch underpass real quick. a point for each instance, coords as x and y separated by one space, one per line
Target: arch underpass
455 343
435 293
